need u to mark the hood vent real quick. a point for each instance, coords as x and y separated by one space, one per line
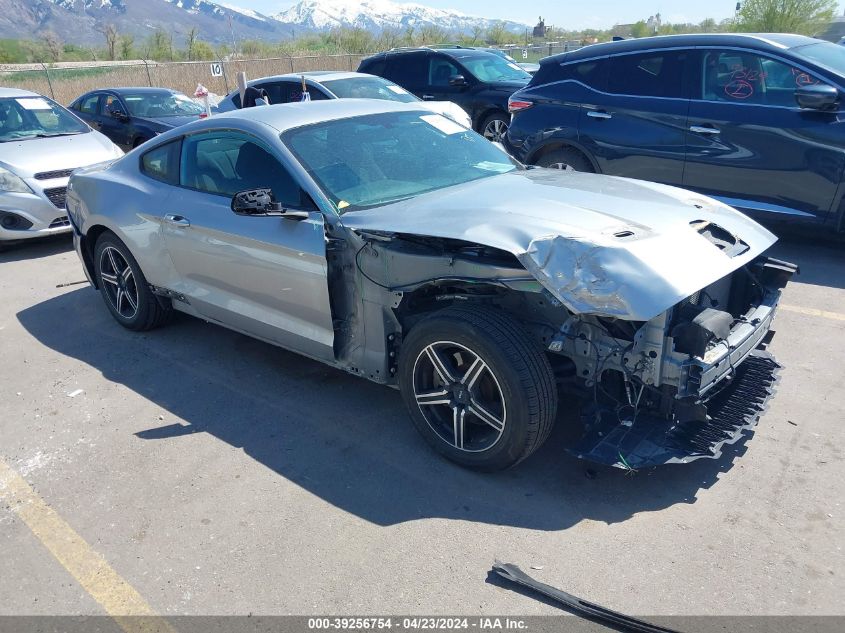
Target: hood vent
723 239
50 175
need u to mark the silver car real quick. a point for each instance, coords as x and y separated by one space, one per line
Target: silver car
392 243
326 84
40 144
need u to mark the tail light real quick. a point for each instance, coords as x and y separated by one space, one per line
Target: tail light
517 105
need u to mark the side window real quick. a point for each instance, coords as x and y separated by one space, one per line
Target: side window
376 67
658 74
224 164
113 104
740 77
439 70
409 70
295 94
162 162
89 104
277 91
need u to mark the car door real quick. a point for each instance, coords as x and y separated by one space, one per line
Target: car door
440 69
88 107
635 125
115 122
750 144
263 275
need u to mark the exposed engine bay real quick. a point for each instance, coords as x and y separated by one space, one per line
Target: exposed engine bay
674 388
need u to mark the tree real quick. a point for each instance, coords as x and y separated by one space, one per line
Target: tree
497 34
807 17
203 50
53 46
127 43
111 35
639 29
190 42
708 25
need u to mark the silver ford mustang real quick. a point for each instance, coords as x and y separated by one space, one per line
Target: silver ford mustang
390 242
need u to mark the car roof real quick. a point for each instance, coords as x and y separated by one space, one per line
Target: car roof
315 75
285 116
138 90
453 51
772 42
15 92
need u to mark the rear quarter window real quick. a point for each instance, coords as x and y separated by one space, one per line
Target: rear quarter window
162 162
590 73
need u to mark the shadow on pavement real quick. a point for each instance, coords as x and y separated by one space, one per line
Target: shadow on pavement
821 263
343 438
35 248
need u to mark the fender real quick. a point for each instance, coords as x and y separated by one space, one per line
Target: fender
554 142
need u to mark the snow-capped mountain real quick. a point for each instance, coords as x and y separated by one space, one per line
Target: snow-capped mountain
377 15
83 21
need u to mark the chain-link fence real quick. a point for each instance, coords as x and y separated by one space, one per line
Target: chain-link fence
64 82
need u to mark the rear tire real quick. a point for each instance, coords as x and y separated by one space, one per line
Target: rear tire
495 126
477 387
567 159
124 287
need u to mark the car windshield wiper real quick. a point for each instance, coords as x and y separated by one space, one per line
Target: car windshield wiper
52 134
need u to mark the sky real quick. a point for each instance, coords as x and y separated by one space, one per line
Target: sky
568 15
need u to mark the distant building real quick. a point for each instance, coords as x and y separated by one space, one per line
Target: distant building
653 23
540 29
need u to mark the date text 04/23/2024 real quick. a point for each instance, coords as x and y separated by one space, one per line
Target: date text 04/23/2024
418 623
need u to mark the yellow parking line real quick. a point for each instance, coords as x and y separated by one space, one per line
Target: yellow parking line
835 316
119 599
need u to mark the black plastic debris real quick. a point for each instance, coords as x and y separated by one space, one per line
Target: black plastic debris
589 610
702 432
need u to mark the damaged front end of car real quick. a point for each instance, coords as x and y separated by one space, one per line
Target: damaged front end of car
681 385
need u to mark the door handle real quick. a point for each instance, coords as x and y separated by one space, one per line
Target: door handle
703 129
177 220
599 114
428 97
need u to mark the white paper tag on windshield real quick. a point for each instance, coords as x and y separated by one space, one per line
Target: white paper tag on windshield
398 90
34 103
447 126
514 66
487 165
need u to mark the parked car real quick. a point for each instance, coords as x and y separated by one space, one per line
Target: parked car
41 143
395 244
131 116
528 67
323 85
478 81
752 120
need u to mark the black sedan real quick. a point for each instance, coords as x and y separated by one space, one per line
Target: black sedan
130 116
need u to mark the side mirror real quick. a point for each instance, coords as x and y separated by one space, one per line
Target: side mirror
457 80
117 114
261 202
817 97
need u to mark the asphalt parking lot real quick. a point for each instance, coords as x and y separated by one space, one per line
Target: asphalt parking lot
207 473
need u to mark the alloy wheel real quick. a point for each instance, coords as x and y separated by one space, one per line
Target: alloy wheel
119 282
459 396
495 130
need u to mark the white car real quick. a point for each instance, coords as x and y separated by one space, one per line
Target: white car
323 85
41 143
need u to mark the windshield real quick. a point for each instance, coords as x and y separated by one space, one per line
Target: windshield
824 54
36 117
369 88
494 68
376 159
160 104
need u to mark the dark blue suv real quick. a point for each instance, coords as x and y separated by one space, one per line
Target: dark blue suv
756 121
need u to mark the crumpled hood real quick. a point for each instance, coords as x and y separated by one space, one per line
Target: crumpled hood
31 156
601 244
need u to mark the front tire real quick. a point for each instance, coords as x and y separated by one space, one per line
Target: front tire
477 387
124 287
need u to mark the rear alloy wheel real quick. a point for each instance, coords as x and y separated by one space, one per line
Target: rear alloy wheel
566 159
124 287
495 127
477 387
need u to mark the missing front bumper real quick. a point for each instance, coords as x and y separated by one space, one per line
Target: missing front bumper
696 431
